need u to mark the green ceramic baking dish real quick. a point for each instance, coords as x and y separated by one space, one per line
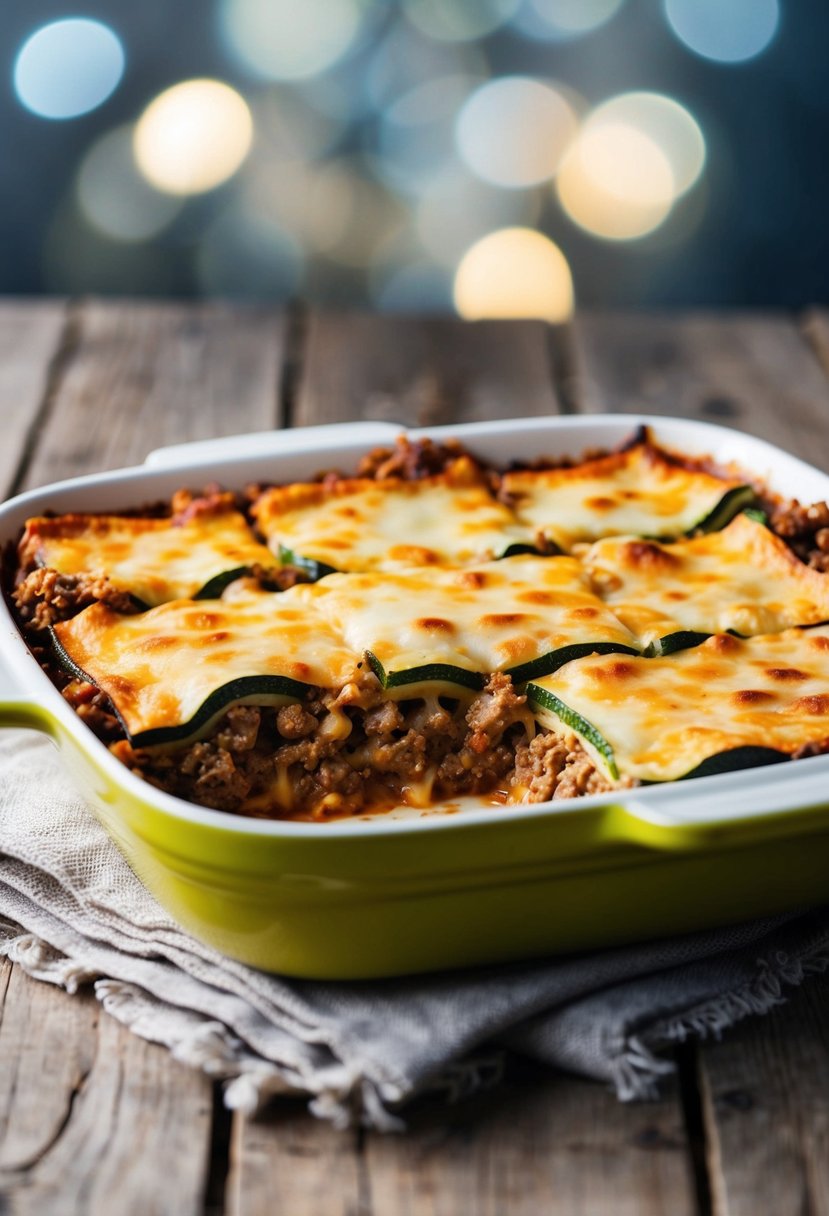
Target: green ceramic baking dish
392 894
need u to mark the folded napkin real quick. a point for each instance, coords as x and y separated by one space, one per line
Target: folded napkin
72 912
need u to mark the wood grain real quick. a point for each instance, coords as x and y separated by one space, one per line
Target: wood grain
815 329
288 1161
766 1103
145 375
98 1120
547 1144
764 1088
33 336
423 371
754 373
93 1119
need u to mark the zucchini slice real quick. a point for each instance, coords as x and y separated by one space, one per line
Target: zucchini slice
524 615
639 491
742 579
171 671
155 560
356 525
728 702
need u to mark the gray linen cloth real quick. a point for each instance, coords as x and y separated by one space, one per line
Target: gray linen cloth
72 912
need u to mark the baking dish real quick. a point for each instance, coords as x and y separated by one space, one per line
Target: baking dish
407 892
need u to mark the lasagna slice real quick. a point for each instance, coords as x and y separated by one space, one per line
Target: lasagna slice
640 491
170 673
728 703
742 580
192 555
445 628
452 518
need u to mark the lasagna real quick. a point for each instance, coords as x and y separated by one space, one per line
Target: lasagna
427 626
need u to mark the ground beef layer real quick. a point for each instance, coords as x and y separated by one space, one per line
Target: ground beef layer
356 751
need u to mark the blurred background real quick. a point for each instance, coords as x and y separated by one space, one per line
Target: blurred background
489 157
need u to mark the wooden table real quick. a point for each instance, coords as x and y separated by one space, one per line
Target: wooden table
94 1120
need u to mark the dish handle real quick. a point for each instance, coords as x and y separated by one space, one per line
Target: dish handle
746 805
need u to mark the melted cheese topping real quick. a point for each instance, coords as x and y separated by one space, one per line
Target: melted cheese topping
361 525
492 617
154 559
663 717
160 667
637 492
743 578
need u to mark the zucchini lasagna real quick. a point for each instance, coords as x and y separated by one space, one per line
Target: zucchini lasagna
428 626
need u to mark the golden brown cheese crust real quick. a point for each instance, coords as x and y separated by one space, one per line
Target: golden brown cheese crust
662 717
160 667
451 518
637 492
744 579
153 559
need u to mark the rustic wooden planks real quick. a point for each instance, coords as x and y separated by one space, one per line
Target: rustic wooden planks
97 1120
765 1088
423 371
541 1143
144 375
287 1161
93 1119
754 373
766 1103
34 338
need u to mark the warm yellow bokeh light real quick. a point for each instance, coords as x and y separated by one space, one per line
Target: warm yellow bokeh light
616 182
512 274
193 137
669 124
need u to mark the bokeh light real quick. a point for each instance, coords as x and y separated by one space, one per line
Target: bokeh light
728 31
193 136
559 20
68 68
513 131
115 198
290 39
511 274
616 182
670 125
458 20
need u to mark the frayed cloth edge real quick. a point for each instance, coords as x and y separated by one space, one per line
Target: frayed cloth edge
636 1070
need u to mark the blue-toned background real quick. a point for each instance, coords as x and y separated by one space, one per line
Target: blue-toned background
481 155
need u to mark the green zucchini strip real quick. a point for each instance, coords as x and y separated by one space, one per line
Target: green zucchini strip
214 586
683 639
427 673
541 699
731 760
546 664
732 503
259 690
313 568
